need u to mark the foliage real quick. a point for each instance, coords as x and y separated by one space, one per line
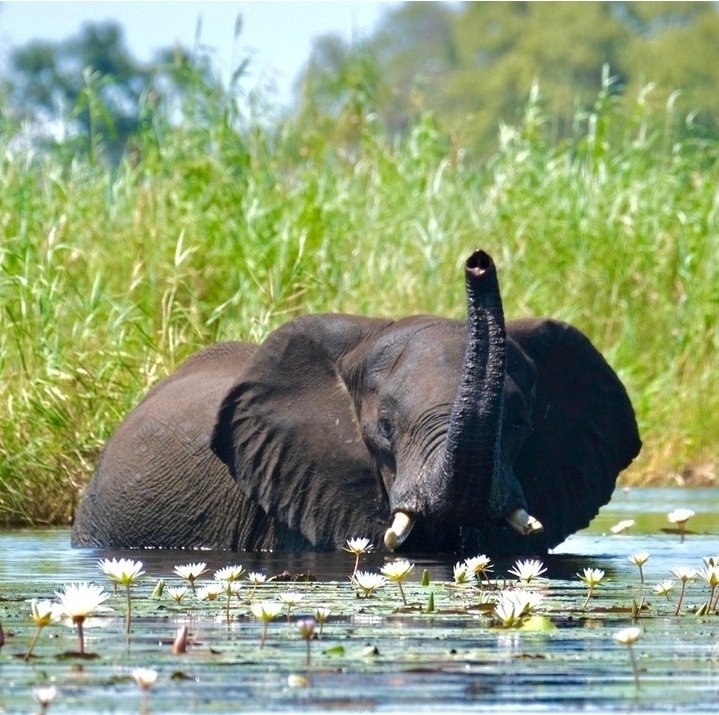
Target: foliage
218 227
474 63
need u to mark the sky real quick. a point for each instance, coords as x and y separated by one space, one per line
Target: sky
277 36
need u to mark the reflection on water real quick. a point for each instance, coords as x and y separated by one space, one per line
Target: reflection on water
446 661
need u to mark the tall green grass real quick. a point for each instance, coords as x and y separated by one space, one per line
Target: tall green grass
219 227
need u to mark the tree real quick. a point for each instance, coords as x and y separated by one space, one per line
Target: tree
473 64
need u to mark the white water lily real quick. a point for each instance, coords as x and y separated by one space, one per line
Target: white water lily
177 593
266 611
358 546
514 607
78 601
479 565
461 574
664 587
44 695
230 573
621 526
527 570
210 592
680 517
710 574
591 577
639 558
43 614
627 637
368 582
397 571
684 574
321 614
290 599
191 572
145 677
123 572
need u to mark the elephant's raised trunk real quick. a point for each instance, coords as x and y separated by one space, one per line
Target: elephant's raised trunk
466 481
468 462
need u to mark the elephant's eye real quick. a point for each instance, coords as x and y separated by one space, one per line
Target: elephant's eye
385 428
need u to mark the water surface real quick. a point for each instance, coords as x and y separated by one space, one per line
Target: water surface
375 655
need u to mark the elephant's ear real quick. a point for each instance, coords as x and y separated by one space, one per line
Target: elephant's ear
584 429
289 432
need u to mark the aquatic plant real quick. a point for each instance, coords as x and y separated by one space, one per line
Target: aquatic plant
628 637
528 570
77 602
321 614
639 559
123 572
368 582
684 574
306 629
191 572
592 578
357 547
397 571
680 517
266 611
43 614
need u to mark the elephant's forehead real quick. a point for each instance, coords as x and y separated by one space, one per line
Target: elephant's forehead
420 344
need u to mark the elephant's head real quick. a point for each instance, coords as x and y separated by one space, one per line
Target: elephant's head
342 426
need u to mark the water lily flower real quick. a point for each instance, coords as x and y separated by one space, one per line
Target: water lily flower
397 571
479 566
513 607
290 599
321 614
680 517
230 573
144 677
306 628
684 574
191 572
177 592
256 579
78 601
592 577
368 582
621 526
266 611
209 592
710 574
123 572
230 589
639 559
358 547
527 570
460 574
44 695
43 614
664 587
627 637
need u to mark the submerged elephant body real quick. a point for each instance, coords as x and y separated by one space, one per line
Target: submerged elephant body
336 424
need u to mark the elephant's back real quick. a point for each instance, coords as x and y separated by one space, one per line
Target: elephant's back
158 482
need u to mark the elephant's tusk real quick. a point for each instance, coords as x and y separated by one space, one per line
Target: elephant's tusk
401 526
523 523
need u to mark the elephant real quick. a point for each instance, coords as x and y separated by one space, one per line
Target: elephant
422 434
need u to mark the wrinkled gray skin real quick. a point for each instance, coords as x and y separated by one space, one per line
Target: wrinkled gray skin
337 422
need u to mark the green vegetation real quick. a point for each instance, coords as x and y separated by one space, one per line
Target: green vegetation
472 63
216 226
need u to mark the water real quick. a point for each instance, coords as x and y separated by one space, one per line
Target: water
375 655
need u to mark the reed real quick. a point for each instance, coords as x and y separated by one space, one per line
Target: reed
218 226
